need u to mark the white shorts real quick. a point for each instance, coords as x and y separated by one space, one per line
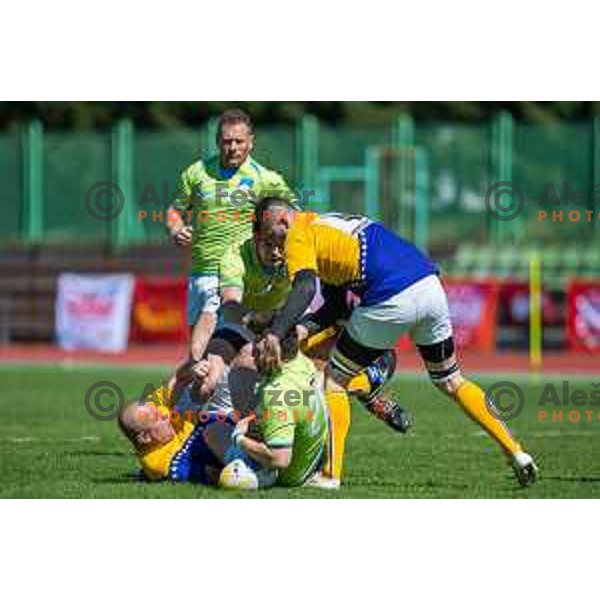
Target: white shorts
202 296
420 310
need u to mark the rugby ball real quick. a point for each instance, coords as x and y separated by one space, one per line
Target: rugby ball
237 475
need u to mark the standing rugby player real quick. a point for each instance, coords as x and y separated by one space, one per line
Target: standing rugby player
215 208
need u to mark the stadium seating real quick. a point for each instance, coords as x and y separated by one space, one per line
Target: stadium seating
28 277
559 263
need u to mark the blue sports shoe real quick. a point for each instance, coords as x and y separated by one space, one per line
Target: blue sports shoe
380 404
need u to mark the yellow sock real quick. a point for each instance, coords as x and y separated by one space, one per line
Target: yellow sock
339 423
359 385
472 400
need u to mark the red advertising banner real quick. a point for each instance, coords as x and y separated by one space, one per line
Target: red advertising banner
583 316
159 310
473 310
514 300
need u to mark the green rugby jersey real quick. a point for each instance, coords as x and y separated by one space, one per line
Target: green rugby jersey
221 203
264 290
298 422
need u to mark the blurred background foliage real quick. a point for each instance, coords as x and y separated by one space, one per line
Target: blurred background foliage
172 115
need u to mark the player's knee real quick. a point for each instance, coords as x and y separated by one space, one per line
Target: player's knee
348 359
443 368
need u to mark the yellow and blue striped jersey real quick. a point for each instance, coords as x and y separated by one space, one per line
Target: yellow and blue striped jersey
353 251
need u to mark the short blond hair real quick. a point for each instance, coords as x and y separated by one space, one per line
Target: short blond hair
234 116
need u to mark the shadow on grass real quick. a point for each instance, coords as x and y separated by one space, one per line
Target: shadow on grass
574 479
402 486
97 453
127 478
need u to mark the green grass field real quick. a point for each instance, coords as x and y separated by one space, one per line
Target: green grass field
52 448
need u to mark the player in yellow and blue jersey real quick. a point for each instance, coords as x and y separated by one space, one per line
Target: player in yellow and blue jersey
169 440
254 292
400 292
174 448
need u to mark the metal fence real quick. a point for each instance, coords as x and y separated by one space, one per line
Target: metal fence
427 181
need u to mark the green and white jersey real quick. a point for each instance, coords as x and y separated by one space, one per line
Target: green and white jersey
219 204
292 415
264 290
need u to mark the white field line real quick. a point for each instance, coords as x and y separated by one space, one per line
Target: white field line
550 433
35 440
530 434
72 366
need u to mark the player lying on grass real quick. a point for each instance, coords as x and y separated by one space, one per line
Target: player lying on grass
176 449
169 444
291 424
252 292
400 292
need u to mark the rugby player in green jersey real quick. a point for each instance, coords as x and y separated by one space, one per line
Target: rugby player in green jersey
249 290
292 425
214 208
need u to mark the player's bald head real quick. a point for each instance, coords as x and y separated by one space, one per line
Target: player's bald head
272 219
273 213
133 419
142 424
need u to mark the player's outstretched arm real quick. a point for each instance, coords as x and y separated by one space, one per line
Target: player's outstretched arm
303 291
